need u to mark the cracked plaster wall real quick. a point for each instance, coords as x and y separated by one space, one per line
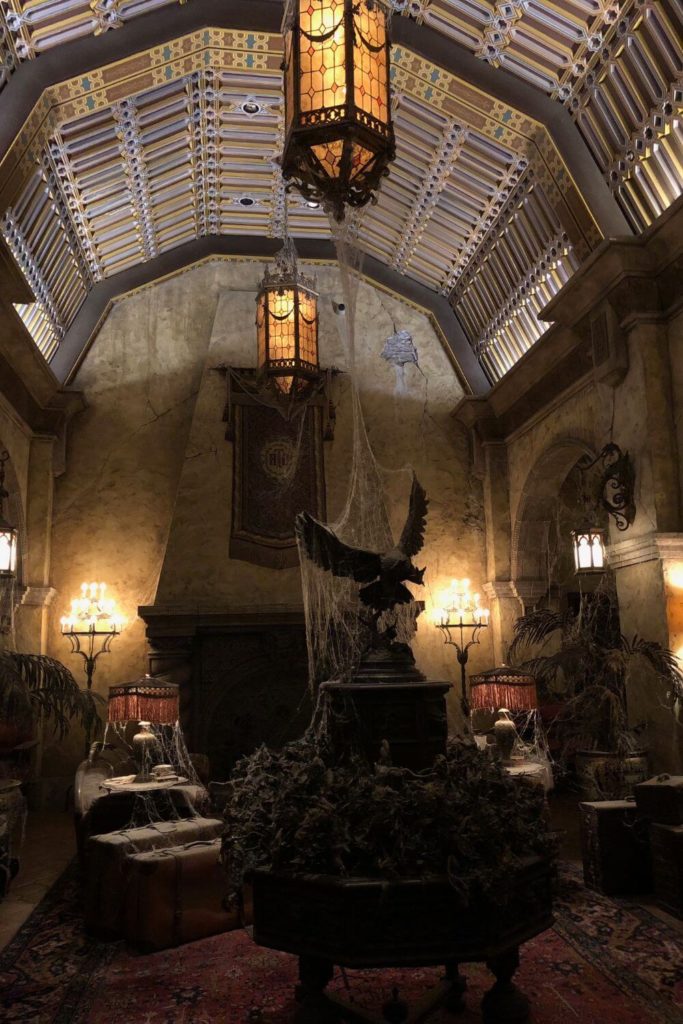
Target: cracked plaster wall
145 500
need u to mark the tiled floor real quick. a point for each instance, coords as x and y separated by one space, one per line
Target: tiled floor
49 846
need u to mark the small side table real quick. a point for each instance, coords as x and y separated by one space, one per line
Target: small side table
531 771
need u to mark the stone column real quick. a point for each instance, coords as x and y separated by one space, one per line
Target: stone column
649 578
506 607
32 616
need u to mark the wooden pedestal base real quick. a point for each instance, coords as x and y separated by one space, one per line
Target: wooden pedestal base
504 1003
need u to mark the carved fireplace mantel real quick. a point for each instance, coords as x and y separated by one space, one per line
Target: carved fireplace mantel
242 672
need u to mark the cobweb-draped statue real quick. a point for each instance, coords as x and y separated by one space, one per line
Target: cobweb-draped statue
384 574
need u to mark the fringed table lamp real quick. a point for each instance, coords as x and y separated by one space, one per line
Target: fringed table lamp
149 702
504 690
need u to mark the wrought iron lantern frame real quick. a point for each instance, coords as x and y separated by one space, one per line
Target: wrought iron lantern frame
293 373
346 123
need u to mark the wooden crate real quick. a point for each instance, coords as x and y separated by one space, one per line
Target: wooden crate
667 864
661 799
615 848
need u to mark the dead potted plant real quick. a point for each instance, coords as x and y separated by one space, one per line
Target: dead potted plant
585 658
33 686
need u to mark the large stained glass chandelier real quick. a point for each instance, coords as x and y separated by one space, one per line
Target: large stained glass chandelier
287 325
339 137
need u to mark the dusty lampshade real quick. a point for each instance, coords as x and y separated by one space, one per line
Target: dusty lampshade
146 700
339 134
504 687
589 550
287 324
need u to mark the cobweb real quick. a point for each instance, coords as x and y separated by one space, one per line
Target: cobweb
335 631
111 768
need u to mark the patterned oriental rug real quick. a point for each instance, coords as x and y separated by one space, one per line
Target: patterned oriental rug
605 962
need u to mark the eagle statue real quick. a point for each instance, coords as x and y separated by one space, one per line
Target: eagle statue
384 575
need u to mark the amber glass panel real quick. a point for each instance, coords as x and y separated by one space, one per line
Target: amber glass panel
322 48
329 155
261 339
289 79
371 91
361 158
281 325
308 328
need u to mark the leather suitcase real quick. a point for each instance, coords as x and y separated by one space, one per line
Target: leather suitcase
661 799
614 848
176 896
667 863
107 860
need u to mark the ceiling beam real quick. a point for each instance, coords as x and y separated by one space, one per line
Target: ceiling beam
83 330
84 55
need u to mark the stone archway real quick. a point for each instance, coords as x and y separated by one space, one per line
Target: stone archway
536 513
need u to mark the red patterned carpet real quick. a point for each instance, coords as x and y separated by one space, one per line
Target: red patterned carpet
605 962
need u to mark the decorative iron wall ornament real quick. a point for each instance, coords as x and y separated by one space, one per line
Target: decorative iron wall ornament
339 133
617 484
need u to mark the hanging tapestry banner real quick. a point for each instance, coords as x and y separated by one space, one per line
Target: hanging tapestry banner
278 472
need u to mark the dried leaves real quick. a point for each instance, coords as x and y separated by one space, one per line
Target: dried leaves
297 811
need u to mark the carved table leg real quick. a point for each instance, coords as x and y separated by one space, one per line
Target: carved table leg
455 1000
315 1008
504 1003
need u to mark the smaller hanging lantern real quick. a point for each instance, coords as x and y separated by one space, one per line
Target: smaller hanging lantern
589 550
9 536
287 325
339 137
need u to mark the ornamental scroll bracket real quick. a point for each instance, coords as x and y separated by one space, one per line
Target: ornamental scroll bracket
615 492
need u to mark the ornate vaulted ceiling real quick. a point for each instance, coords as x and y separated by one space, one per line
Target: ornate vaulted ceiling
178 141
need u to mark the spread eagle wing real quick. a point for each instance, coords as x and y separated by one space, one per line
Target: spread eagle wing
413 534
328 552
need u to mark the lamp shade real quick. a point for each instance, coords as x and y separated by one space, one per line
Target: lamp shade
339 133
145 700
287 324
9 541
503 687
589 550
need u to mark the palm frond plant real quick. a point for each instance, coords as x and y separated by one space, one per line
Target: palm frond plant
33 686
587 659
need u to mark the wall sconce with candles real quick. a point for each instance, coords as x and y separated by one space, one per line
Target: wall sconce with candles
462 612
339 136
91 625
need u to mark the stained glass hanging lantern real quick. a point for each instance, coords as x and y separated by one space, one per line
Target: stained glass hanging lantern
589 550
287 325
339 137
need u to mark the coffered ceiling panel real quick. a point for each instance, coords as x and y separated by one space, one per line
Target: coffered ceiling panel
181 140
172 145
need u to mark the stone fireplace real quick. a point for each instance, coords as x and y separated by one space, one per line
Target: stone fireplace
243 678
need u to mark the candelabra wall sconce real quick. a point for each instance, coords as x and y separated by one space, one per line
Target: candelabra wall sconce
462 616
91 625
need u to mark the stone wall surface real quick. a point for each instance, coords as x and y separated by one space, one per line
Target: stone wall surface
145 502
